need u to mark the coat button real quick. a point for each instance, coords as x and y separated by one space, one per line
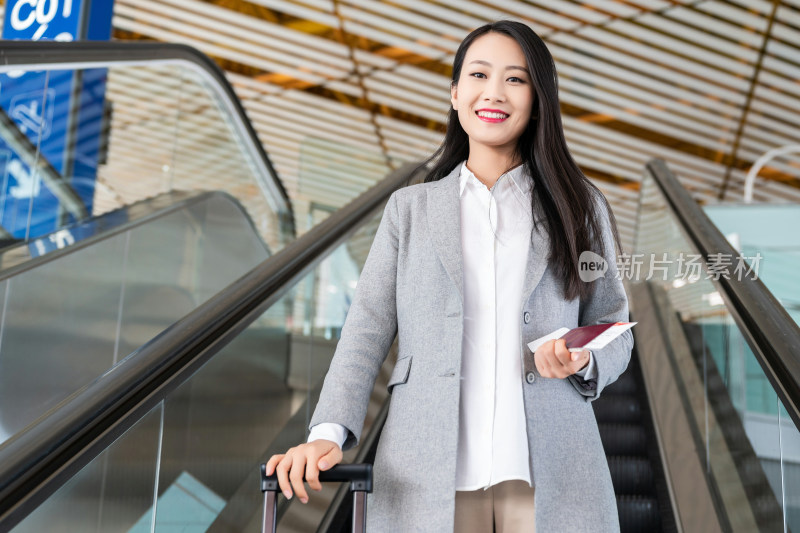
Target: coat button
526 317
530 377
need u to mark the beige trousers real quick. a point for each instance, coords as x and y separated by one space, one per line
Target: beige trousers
503 508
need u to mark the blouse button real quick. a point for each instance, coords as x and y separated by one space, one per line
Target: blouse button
526 317
530 377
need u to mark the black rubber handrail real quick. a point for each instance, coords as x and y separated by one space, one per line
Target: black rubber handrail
40 459
771 333
100 54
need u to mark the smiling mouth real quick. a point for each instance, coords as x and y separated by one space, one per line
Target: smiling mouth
492 116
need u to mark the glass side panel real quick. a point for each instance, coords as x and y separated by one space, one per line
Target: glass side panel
22 132
253 398
768 234
260 390
113 493
748 445
66 322
105 138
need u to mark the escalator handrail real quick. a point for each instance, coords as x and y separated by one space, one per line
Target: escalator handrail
40 459
16 259
771 333
42 55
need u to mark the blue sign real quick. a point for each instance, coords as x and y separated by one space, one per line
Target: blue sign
62 112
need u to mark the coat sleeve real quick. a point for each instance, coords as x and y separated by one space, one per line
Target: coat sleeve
367 334
608 303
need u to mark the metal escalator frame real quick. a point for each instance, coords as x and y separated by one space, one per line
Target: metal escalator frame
771 333
15 260
43 55
39 460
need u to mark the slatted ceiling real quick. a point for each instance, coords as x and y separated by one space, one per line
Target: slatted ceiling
406 88
377 14
150 106
276 38
776 73
624 219
304 132
405 152
293 119
775 95
638 79
757 140
332 109
766 191
357 171
325 191
413 134
295 114
284 121
409 107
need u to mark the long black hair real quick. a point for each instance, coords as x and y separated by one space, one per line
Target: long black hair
563 198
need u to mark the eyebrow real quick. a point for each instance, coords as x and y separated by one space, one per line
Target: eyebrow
510 67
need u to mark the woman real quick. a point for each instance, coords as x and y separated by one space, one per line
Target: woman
466 269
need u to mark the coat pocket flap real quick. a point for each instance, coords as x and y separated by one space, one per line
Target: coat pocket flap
399 373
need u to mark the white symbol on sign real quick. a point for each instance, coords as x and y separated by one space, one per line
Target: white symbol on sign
27 185
42 12
40 247
26 110
62 238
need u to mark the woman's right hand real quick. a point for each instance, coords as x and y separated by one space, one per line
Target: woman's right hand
306 459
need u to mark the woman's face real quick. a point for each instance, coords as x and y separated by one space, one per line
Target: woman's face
493 95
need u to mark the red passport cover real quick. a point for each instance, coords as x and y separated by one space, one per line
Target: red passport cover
579 337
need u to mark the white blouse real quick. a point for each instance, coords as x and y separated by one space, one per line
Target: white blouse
496 227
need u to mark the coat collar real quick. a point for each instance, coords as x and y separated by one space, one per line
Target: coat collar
444 224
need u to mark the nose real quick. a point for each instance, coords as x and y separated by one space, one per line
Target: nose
495 90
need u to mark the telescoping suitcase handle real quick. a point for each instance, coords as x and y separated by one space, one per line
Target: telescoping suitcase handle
358 475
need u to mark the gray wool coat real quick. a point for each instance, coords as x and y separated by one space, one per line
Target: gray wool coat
411 285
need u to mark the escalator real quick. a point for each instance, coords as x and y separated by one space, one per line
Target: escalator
107 248
84 292
170 434
191 411
188 436
111 292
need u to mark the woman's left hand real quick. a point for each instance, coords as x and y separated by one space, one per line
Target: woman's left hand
554 360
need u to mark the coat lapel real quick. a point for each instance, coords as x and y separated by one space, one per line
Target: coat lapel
538 256
444 224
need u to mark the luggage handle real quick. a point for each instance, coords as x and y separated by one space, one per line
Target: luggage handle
358 475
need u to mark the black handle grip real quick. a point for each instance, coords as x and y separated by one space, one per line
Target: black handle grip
359 475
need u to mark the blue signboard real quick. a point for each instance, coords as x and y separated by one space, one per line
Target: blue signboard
61 112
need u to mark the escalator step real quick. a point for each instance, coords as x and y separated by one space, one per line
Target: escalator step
638 513
623 439
631 475
617 408
625 384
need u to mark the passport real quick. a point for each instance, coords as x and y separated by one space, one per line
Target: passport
591 337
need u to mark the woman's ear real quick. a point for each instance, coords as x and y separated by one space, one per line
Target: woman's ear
454 95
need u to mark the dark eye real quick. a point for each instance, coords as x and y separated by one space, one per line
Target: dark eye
516 79
478 74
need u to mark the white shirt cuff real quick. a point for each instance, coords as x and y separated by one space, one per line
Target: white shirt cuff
329 431
589 371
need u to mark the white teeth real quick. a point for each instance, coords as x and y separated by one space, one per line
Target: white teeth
487 114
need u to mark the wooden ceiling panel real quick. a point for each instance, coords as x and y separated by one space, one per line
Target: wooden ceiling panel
709 86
